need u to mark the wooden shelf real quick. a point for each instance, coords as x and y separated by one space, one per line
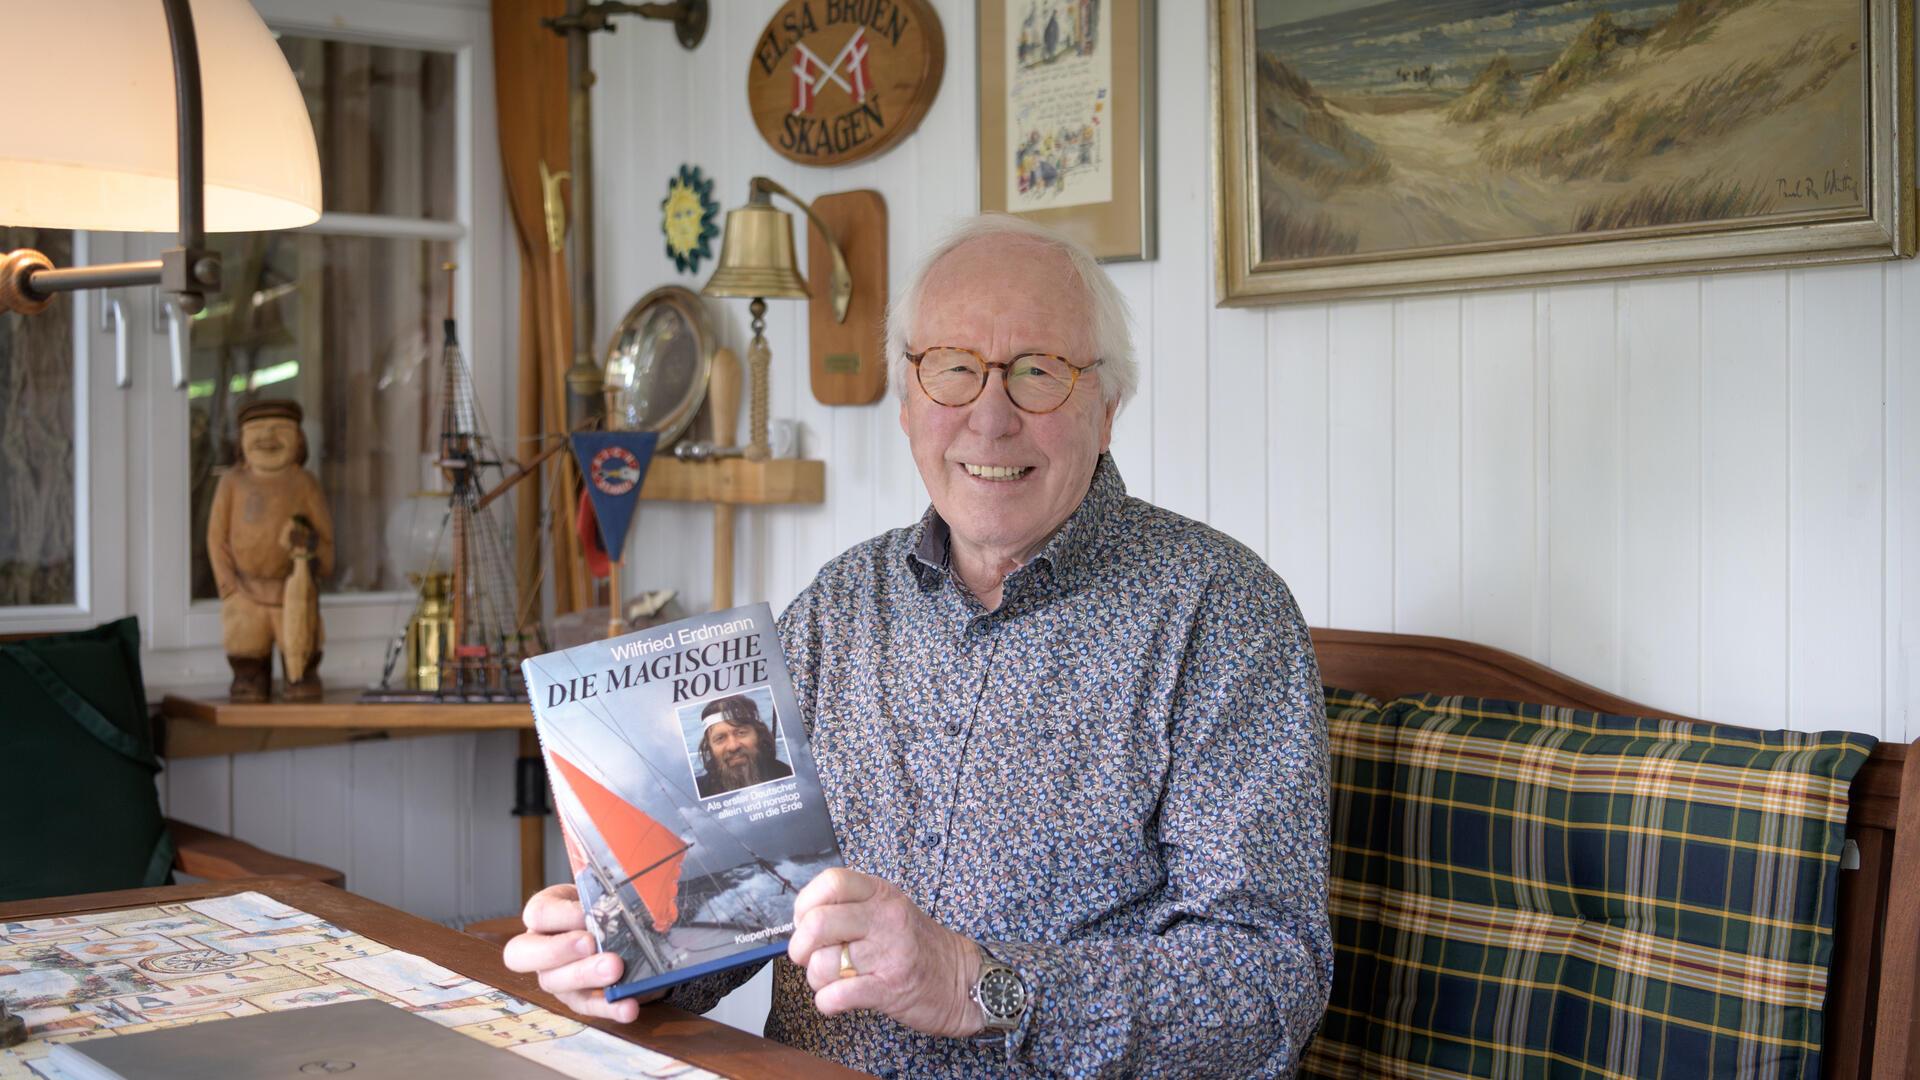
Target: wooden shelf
736 480
342 709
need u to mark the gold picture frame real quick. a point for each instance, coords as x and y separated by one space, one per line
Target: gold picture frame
1325 230
1107 203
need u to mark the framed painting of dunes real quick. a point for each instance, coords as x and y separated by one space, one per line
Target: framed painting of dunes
1381 147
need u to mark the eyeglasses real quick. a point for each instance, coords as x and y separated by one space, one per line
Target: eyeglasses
1036 382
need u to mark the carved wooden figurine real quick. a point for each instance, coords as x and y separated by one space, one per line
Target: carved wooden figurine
268 513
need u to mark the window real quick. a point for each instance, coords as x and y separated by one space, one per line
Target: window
39 504
344 317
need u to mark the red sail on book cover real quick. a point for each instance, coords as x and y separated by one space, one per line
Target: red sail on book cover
686 792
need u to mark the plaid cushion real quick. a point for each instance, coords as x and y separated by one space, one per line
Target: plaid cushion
1526 891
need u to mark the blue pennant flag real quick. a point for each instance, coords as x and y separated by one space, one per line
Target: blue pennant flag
614 464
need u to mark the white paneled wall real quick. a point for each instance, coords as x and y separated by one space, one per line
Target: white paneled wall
1691 491
423 824
1703 493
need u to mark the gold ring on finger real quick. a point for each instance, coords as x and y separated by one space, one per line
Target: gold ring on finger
847 970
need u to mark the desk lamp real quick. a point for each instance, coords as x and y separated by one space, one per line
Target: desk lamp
756 262
90 139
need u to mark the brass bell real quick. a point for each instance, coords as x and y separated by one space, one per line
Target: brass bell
756 263
756 254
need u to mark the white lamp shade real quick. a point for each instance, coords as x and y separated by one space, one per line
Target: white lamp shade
87 137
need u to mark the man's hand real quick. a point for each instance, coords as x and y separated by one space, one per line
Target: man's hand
910 967
559 949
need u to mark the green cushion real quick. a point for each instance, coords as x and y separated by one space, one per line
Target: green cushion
1528 891
79 800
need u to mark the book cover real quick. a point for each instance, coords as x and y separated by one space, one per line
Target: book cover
373 1040
686 792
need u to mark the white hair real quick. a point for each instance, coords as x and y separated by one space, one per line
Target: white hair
1112 334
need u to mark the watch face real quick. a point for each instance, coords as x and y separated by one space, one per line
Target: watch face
1001 994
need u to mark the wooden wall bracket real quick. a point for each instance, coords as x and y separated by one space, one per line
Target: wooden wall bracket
848 359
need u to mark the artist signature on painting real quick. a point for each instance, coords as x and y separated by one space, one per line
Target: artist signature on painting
1835 182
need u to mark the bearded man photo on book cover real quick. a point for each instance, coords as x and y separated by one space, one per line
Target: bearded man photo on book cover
737 748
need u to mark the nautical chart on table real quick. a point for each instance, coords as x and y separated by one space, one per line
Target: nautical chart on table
121 972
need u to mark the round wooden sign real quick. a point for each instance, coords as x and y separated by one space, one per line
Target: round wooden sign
833 81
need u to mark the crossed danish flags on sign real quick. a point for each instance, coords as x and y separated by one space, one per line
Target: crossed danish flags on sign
809 74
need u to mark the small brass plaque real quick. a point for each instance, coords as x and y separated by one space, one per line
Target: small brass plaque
840 363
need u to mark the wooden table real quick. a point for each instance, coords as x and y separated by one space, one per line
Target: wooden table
660 1027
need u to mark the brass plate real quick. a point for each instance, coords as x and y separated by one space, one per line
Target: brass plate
657 364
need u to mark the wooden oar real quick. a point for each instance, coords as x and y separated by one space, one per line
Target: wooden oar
530 85
723 396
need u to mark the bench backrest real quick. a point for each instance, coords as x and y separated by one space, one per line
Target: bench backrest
1872 1004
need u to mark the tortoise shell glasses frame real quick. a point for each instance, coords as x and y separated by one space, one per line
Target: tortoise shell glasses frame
1036 382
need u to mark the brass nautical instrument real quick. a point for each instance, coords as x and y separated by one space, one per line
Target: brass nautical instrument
429 631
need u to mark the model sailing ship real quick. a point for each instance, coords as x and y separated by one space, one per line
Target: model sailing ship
467 636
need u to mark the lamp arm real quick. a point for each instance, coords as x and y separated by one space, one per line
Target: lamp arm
842 281
190 123
189 268
28 280
104 276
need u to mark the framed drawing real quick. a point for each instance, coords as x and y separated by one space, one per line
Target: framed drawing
1066 118
1377 147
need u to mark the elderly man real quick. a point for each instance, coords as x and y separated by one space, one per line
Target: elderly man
736 747
1072 744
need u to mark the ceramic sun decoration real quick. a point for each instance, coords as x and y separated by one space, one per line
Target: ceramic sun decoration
270 514
687 218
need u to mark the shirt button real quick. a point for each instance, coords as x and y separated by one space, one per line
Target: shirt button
953 727
930 839
979 628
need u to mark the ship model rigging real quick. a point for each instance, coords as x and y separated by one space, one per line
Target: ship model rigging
468 635
466 639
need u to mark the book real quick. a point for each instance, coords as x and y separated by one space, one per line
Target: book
370 1039
686 792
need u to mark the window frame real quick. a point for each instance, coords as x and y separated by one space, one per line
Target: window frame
99 475
358 624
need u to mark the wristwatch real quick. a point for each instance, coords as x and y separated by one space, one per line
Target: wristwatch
1001 995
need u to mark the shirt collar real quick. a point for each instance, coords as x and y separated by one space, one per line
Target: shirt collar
1066 553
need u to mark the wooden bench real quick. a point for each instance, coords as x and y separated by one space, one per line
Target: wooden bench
1871 1000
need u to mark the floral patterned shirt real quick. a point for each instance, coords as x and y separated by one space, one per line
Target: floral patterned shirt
1116 782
